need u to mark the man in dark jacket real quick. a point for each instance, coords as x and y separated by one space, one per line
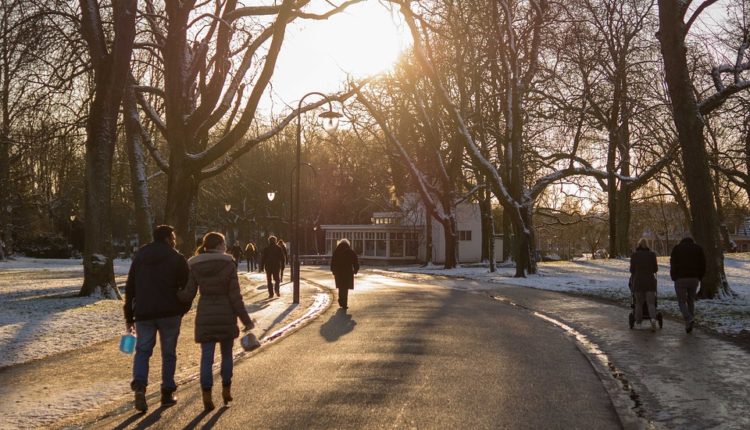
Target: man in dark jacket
236 252
687 267
151 306
344 265
271 261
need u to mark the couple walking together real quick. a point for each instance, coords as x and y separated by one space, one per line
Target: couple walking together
160 289
687 266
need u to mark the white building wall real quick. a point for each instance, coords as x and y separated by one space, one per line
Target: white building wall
468 219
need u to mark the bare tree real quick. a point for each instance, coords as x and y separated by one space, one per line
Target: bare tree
688 113
216 61
110 60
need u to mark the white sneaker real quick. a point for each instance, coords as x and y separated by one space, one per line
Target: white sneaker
653 325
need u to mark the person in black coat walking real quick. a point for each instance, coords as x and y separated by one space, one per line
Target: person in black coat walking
236 252
271 262
250 253
643 268
687 266
151 306
344 265
284 262
214 273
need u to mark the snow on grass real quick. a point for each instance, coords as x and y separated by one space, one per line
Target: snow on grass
41 315
608 279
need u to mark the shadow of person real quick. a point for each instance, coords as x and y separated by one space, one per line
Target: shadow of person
338 325
145 422
211 421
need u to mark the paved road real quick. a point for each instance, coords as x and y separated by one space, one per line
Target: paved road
406 355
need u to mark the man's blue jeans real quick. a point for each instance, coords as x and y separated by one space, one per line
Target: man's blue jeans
207 363
169 330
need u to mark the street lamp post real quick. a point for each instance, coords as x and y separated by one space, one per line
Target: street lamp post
330 124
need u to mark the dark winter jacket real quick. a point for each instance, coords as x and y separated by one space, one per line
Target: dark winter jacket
643 268
687 260
273 258
250 251
284 251
155 275
236 252
344 265
220 302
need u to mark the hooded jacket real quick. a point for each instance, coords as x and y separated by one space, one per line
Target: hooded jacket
687 260
220 304
158 271
643 267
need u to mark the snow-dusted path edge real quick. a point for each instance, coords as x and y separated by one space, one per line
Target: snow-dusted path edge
608 280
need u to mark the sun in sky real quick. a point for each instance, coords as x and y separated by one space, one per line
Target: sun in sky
364 40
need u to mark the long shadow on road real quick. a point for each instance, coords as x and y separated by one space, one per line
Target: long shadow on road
338 325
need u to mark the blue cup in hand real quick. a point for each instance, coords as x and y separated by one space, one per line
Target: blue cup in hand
127 343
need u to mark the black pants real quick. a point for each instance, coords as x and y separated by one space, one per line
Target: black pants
269 275
344 297
251 264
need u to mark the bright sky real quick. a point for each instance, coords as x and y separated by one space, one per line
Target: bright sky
318 55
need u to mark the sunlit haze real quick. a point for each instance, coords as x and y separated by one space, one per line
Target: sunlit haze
319 55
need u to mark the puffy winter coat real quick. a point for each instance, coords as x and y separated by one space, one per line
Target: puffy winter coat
687 260
158 271
220 303
643 267
344 265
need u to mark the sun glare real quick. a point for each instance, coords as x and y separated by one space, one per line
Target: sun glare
319 55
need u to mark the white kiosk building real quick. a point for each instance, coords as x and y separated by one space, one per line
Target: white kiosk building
400 237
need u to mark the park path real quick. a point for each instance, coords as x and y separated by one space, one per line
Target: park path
77 386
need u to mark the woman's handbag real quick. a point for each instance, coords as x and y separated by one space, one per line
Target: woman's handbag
249 342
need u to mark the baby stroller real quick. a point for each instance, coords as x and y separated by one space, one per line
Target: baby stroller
631 316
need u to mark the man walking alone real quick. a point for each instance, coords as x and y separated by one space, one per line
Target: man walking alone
687 267
151 306
271 261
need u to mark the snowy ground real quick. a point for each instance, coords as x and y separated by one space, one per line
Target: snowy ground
40 314
608 279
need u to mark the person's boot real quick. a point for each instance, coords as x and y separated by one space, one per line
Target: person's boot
140 399
276 288
208 403
167 398
226 394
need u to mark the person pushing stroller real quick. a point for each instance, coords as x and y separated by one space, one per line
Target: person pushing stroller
643 268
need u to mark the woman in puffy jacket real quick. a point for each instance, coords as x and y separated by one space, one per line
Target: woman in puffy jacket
213 273
643 268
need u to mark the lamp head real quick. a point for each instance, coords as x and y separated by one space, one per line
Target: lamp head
227 207
330 121
271 195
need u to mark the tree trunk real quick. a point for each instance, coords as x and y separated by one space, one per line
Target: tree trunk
622 245
485 212
689 124
451 243
110 76
6 216
138 179
507 237
428 237
99 277
182 190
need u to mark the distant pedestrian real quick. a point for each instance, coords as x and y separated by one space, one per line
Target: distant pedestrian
2 250
284 261
643 268
250 253
344 265
151 306
271 262
687 268
236 252
213 272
